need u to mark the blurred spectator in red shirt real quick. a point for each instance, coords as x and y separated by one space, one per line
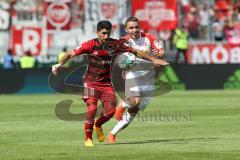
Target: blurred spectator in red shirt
222 9
232 32
191 21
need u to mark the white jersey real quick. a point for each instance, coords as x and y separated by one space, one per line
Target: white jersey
143 69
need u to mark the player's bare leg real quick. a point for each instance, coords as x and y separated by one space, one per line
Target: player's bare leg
107 113
125 120
122 105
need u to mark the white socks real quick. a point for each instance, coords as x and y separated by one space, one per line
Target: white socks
123 123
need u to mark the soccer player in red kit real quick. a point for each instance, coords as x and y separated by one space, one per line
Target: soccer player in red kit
97 78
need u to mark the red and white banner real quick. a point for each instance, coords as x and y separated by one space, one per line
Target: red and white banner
77 14
156 14
26 39
27 13
58 15
112 10
213 54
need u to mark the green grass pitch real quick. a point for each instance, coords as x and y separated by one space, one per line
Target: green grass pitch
180 125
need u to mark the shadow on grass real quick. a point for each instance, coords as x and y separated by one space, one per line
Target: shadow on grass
173 141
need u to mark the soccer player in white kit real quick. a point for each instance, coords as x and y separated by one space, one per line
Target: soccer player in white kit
139 81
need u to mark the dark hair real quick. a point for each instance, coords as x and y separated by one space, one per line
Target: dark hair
104 25
9 51
28 53
131 19
64 49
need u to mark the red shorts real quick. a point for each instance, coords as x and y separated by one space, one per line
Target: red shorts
103 93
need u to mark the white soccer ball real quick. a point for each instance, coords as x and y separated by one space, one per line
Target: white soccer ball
126 61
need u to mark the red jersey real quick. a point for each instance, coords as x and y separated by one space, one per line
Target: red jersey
100 59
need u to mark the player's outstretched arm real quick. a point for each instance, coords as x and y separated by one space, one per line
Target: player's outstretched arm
159 53
144 54
57 67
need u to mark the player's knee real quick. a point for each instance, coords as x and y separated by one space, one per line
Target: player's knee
91 105
134 101
89 121
90 116
110 113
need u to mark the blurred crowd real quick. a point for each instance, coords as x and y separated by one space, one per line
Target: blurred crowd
217 21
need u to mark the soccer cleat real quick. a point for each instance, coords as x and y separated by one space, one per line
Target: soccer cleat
119 112
111 138
89 143
99 132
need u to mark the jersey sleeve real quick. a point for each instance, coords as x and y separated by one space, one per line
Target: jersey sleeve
154 42
123 46
84 48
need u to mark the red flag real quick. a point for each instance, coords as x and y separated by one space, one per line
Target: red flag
26 39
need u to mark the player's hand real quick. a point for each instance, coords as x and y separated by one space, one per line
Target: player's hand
158 53
56 68
160 62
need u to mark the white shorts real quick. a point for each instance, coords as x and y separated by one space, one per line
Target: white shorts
140 88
